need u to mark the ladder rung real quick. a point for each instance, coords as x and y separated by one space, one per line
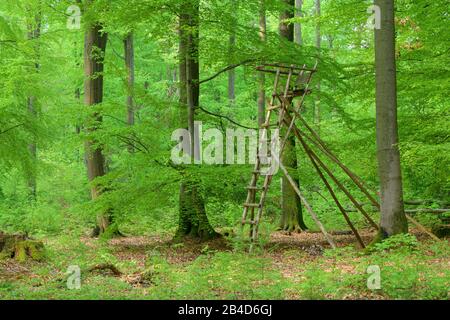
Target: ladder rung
252 205
249 222
254 188
265 160
265 125
256 172
271 108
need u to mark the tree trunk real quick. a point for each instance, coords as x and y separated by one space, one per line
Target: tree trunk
393 219
20 247
129 65
95 45
261 75
193 221
297 26
292 216
317 112
232 45
34 32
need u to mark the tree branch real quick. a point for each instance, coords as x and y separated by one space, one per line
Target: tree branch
230 67
12 128
225 117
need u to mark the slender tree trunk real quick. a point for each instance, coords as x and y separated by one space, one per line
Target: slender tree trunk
261 75
292 217
317 112
95 45
232 45
34 32
129 65
193 221
393 219
297 26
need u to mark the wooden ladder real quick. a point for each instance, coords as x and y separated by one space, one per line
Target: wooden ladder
279 102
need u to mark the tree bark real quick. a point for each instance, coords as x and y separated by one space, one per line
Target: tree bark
94 50
297 26
261 75
129 65
292 215
34 32
232 45
193 221
317 113
393 219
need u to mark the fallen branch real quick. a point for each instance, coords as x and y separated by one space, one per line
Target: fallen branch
410 211
427 210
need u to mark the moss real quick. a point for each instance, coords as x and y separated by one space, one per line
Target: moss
21 251
110 232
193 221
36 250
28 249
379 237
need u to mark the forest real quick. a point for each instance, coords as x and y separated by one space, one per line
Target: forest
224 150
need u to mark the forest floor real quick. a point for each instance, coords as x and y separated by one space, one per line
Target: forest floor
288 266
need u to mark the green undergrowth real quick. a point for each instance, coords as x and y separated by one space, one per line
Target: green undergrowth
406 272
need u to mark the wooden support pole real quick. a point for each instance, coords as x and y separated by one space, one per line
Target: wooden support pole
340 185
422 228
322 146
333 195
307 206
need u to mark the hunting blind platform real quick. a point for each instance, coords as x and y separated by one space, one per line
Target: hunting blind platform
291 82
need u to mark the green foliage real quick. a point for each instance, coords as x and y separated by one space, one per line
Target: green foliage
142 188
407 242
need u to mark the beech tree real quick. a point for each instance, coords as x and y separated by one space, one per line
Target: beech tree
291 216
193 221
393 219
94 52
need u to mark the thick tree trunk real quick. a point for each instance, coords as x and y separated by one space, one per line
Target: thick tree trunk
129 65
193 221
20 247
95 45
393 219
292 216
261 75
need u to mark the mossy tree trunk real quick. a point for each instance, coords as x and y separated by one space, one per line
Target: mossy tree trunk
94 52
20 248
193 221
292 215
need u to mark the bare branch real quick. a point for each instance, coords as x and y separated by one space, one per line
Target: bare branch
230 67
